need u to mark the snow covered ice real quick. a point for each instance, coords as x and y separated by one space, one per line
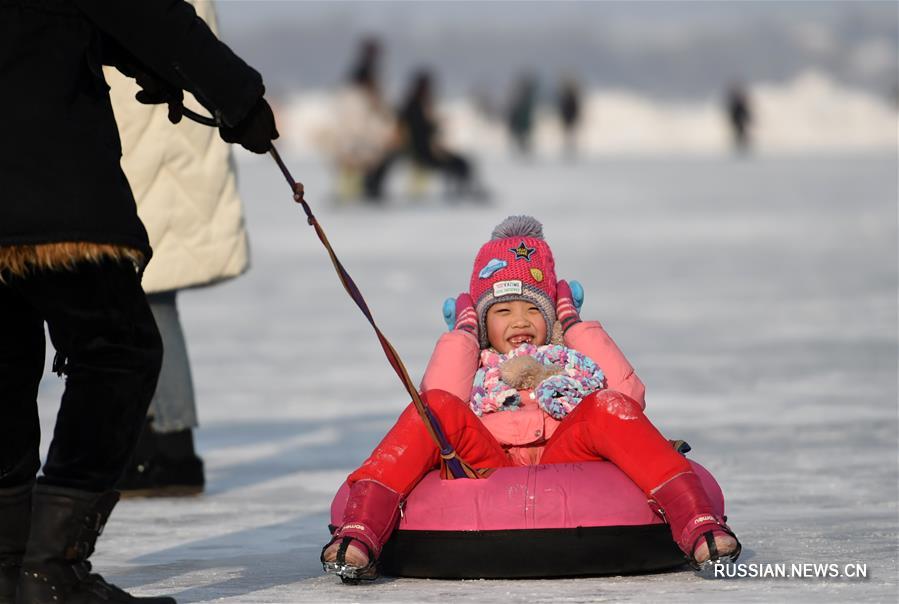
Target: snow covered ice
756 298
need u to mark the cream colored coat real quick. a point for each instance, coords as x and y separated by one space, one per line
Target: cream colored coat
184 183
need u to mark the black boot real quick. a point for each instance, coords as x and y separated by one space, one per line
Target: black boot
15 519
64 529
164 464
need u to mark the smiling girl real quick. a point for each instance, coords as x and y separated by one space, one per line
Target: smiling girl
521 380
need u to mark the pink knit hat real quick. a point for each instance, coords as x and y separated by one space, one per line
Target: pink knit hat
516 264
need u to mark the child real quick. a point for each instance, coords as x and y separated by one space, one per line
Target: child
522 380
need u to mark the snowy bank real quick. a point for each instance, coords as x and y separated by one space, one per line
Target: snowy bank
809 113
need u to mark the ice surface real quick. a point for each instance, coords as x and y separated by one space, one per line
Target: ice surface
757 300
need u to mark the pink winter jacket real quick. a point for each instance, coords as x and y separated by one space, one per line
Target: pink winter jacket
523 433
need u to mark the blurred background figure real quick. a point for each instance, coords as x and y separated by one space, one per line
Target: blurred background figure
365 129
739 114
568 103
520 116
829 84
183 180
365 73
423 143
485 104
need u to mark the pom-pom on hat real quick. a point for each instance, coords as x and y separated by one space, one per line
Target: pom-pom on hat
516 264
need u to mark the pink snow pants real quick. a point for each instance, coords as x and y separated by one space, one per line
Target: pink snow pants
607 425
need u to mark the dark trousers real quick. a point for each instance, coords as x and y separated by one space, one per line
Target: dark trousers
455 167
110 351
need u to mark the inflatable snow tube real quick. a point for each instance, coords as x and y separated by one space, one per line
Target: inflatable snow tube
559 520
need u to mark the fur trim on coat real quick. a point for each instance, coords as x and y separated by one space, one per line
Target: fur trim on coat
20 260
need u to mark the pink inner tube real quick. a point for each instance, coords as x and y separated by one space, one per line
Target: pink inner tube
570 495
584 518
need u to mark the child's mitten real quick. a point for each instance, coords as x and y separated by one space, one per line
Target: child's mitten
459 314
567 305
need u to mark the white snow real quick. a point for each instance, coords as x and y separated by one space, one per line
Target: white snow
810 112
757 299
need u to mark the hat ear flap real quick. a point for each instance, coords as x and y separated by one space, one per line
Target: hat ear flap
558 335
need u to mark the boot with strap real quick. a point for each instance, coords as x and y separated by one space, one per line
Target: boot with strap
64 529
15 520
371 513
683 503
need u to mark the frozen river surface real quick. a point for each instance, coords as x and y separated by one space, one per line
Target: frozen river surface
757 300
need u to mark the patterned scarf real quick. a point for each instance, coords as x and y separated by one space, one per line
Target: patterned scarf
561 378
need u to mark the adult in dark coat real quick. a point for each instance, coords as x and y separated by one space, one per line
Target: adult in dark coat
421 142
71 252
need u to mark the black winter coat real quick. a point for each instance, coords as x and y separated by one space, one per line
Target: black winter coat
60 178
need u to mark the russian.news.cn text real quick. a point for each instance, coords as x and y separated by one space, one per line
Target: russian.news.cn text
795 570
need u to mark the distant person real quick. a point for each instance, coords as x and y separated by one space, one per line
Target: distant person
365 130
569 107
520 118
485 104
422 143
739 112
366 70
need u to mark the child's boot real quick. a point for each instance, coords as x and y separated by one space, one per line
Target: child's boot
700 533
371 513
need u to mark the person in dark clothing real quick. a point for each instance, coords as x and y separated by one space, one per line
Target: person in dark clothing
422 133
365 71
739 112
421 142
521 112
569 106
72 251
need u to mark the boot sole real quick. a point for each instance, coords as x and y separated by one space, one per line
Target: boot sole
351 575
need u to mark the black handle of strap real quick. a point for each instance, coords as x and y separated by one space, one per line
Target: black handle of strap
200 119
